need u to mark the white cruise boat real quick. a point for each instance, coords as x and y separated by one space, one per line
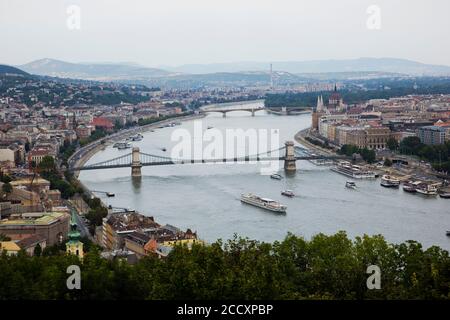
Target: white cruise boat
137 137
389 181
264 203
353 171
122 145
427 189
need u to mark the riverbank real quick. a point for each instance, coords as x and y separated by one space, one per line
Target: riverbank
300 137
404 173
82 155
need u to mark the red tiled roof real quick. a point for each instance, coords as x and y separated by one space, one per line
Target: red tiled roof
443 124
102 122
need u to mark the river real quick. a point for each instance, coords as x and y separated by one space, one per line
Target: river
205 197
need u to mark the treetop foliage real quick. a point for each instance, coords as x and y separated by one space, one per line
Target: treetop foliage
325 267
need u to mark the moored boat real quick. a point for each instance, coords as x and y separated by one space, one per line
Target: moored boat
264 203
388 181
427 189
353 171
444 195
410 187
122 145
137 137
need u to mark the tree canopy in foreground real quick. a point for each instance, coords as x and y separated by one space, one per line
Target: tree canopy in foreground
326 267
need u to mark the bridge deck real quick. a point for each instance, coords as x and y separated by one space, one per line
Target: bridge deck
200 161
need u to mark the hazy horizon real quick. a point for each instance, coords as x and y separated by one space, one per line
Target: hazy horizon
175 32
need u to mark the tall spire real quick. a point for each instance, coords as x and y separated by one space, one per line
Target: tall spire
74 234
74 245
335 87
320 106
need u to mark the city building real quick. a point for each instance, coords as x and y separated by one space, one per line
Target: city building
432 135
30 243
53 226
141 235
118 225
10 247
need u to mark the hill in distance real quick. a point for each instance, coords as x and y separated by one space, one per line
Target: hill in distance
386 65
8 70
91 71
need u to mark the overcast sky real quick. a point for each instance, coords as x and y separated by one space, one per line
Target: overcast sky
175 32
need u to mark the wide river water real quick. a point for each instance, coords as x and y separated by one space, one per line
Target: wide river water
205 197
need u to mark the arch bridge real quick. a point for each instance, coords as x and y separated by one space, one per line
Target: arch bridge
224 110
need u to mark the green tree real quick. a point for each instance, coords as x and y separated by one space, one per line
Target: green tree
5 178
37 250
368 155
47 165
7 188
392 144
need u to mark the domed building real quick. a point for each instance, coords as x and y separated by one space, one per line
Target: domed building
335 102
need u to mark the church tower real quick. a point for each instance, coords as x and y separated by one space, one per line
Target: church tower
318 112
320 106
335 102
74 245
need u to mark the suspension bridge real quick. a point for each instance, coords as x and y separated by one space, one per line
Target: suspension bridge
137 159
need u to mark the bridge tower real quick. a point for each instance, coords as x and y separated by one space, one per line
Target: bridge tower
136 163
289 159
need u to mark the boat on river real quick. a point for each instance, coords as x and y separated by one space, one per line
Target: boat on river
411 186
137 137
122 145
350 185
264 203
388 181
288 193
427 189
276 176
444 195
353 171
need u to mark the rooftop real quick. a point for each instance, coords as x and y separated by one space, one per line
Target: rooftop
40 218
9 246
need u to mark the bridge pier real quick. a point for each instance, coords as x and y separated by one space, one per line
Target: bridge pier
253 112
136 163
224 114
289 159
